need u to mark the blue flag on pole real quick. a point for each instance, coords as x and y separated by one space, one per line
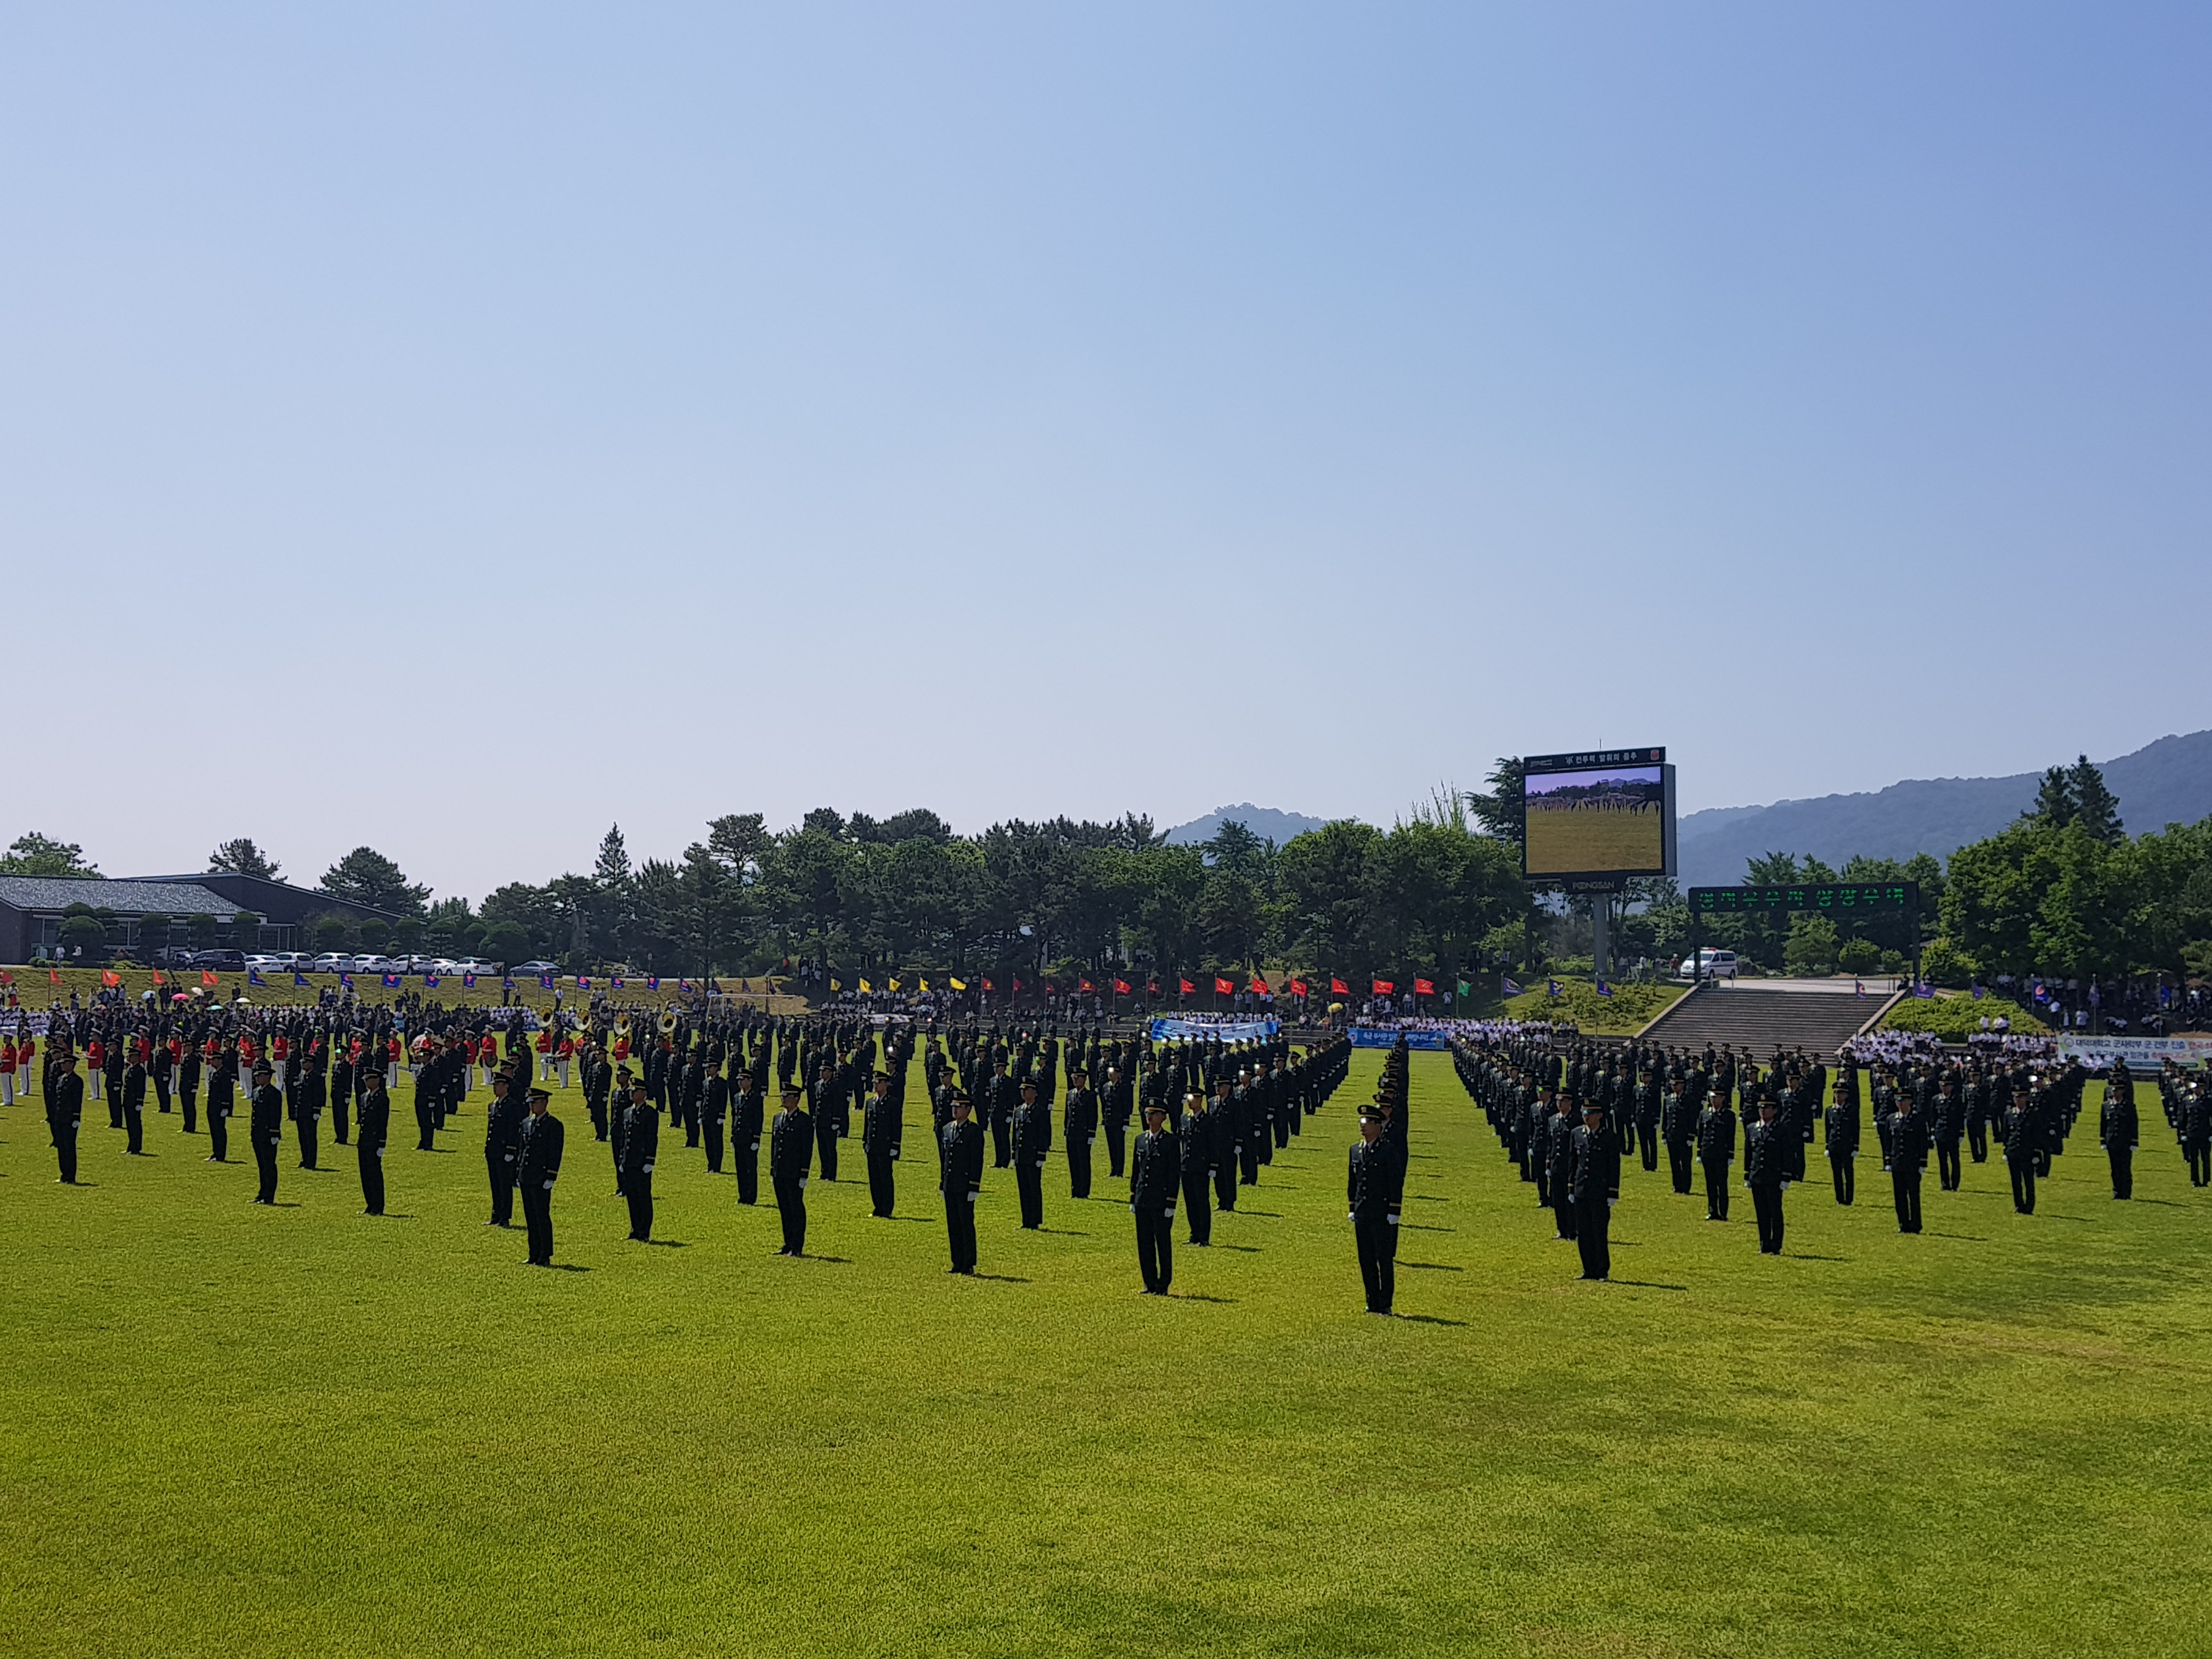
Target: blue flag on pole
1552 986
298 978
392 982
346 980
468 981
545 981
616 982
1603 989
1924 989
430 981
1510 989
653 984
253 977
506 981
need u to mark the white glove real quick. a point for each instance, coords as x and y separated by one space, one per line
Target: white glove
1392 1220
1610 1203
802 1184
549 1183
1350 1216
1169 1212
755 1146
648 1169
894 1153
972 1197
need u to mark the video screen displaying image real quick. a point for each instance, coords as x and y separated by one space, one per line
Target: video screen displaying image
1593 822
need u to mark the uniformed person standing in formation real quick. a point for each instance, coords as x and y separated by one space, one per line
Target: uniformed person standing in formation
1032 1147
883 1128
745 1122
1842 1130
1766 1164
641 1149
502 1142
1908 1162
1596 1182
65 1091
2022 1145
1079 1129
2118 1131
134 1104
1196 1153
266 1124
538 1159
373 1130
1715 1151
960 1153
1116 1102
223 1085
1155 1178
790 1160
1372 1188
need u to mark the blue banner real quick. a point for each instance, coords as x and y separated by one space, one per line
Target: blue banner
1382 1036
1229 1031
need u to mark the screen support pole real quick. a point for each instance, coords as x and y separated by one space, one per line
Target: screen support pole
1601 919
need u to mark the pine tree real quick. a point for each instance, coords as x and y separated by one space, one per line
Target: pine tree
2096 808
2056 803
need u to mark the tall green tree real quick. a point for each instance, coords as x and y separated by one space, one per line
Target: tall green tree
365 876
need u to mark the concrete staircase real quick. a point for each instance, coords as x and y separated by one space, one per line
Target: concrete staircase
1745 1017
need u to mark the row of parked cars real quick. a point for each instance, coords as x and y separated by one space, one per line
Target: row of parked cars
337 962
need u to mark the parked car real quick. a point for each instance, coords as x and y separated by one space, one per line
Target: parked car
286 961
232 962
418 964
373 964
1718 964
264 964
537 968
331 962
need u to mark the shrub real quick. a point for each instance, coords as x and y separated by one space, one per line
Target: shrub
1943 962
1811 947
1956 1019
1859 955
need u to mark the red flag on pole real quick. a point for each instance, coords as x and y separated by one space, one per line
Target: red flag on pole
207 978
1383 987
1121 988
1223 986
1188 987
1258 985
53 975
1082 985
109 978
1423 988
1298 988
987 984
1337 987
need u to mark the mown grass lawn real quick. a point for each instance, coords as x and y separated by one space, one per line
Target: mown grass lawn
230 1431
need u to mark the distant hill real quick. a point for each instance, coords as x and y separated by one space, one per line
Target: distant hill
2169 782
1266 822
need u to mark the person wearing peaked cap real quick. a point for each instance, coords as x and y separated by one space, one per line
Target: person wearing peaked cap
1079 1130
713 1110
1155 1176
883 1131
1197 1149
1372 1187
790 1162
65 1112
2022 1136
1596 1184
265 1124
640 1151
541 1140
1032 1147
960 1179
746 1125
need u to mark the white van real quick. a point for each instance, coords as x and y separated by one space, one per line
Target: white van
1718 964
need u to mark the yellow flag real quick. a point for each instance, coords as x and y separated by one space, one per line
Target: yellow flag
865 987
893 983
924 984
836 984
958 984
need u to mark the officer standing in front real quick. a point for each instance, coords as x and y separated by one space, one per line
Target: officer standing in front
1032 1147
1079 1127
1371 1189
2022 1138
539 1158
1766 1163
745 1136
883 1127
2118 1130
266 1124
641 1149
1196 1153
1595 1182
502 1140
1908 1160
1716 1150
1155 1175
961 1179
1842 1129
790 1160
371 1132
64 1111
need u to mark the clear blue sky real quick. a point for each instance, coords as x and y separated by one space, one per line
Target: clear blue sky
1019 409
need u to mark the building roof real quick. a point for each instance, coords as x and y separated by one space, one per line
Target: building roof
268 896
124 897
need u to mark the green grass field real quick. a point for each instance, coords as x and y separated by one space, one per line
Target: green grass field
1568 843
225 1430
